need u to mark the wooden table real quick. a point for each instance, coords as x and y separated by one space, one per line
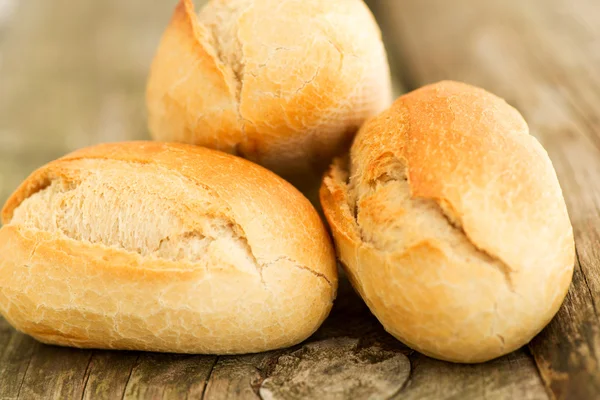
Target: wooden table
72 73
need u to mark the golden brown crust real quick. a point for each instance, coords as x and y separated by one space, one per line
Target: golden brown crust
452 224
101 289
248 95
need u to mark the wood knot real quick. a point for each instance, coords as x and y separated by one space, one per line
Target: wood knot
337 369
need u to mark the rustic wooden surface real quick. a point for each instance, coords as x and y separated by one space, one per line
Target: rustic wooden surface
72 73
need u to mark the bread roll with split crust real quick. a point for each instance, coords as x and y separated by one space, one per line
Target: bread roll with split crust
163 247
285 84
451 224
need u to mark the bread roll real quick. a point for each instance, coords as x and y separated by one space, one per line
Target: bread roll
285 84
163 247
450 221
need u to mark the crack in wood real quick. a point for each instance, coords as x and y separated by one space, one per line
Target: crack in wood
587 285
547 389
210 372
36 346
133 366
86 374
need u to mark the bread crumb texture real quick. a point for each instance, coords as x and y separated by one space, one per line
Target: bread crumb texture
283 83
451 223
163 247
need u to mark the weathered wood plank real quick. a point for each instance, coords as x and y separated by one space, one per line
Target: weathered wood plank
55 373
511 377
236 377
169 376
542 56
17 354
107 374
337 369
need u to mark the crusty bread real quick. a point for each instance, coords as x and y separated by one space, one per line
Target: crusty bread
163 247
450 221
285 84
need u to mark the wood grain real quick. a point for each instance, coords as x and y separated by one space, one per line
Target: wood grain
543 57
107 374
336 369
511 377
168 376
237 377
67 378
17 352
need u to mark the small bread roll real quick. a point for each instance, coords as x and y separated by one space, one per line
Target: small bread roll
285 84
451 224
163 247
